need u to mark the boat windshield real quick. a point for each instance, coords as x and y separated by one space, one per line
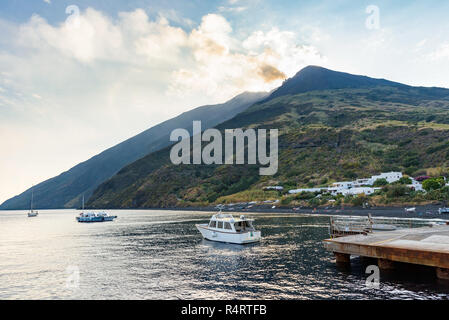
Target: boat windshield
242 226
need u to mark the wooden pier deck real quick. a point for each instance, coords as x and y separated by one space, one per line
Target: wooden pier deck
427 246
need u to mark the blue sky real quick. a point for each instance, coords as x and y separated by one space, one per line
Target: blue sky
69 90
288 13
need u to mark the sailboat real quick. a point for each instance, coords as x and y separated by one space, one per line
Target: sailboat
32 213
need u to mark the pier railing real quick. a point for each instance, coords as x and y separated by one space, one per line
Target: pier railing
345 226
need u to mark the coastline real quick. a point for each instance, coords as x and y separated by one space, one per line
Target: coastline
429 211
424 211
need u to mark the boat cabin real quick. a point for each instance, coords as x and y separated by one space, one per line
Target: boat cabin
228 223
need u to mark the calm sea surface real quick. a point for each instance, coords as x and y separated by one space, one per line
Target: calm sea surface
161 255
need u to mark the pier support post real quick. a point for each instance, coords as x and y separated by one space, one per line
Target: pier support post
443 273
385 264
342 258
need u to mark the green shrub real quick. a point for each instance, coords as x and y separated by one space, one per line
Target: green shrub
305 195
348 198
350 175
286 201
396 191
438 194
410 171
380 182
433 184
314 202
360 200
404 180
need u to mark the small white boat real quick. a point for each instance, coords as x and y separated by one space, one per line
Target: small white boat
443 210
226 228
94 217
32 213
410 209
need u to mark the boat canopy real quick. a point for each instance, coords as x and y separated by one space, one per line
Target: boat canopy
229 218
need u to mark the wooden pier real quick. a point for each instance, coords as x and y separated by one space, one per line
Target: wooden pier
427 246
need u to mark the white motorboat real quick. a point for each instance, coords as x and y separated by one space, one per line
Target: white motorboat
410 209
32 213
226 228
443 210
94 217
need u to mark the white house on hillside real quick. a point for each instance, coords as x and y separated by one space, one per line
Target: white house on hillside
278 188
359 186
343 185
416 185
355 191
389 176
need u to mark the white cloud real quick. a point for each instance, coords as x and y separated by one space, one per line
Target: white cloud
174 16
422 43
442 52
232 9
379 39
225 66
207 59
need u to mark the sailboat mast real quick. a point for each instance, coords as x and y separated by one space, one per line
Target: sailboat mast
83 202
32 195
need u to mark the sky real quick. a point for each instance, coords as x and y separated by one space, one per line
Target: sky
77 77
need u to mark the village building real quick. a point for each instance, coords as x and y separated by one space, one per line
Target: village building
360 186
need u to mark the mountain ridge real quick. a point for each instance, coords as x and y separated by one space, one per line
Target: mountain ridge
315 78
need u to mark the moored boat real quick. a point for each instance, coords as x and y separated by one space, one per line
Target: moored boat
32 213
226 228
94 217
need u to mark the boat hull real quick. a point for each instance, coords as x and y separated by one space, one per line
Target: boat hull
31 215
229 237
89 219
109 218
95 219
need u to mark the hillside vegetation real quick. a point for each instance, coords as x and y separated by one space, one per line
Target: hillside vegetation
325 136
